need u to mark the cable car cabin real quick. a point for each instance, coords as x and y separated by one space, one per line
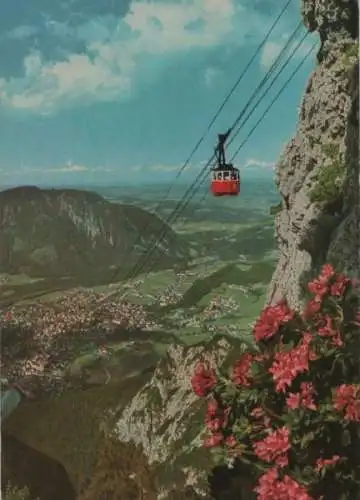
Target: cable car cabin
225 177
225 182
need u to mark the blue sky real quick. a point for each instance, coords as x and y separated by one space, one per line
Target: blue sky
119 91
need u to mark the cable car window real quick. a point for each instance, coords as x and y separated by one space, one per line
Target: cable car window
234 176
226 176
219 176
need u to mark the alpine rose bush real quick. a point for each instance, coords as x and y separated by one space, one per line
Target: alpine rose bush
290 408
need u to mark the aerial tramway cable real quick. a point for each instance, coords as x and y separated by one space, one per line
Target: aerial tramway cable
297 68
197 145
180 206
264 94
252 130
267 109
311 49
204 172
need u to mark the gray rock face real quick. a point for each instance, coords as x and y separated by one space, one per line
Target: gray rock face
68 232
310 232
166 418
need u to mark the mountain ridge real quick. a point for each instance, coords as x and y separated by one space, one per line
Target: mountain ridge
71 231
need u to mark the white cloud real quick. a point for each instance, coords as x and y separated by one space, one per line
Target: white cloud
24 172
45 85
164 168
116 52
22 32
269 53
211 76
159 167
253 162
272 49
69 168
73 167
107 70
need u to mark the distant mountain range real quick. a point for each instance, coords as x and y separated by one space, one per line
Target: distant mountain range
249 174
69 232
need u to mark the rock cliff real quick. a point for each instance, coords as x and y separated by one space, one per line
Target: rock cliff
166 418
318 173
66 232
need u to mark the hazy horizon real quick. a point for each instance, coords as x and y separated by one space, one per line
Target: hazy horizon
248 175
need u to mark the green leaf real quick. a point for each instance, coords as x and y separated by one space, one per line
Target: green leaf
218 456
274 209
332 418
346 438
297 471
307 439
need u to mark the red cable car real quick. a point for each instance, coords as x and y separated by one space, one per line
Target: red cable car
225 177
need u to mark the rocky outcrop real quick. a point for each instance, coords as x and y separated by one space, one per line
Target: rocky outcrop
121 472
318 173
166 418
59 232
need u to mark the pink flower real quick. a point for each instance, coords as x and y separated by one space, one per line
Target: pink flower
325 462
304 398
274 447
293 400
203 380
242 370
216 417
288 364
214 424
271 319
319 287
271 487
347 399
327 271
312 308
213 440
231 441
212 407
258 412
340 285
329 330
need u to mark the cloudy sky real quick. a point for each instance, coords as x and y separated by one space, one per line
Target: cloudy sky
118 91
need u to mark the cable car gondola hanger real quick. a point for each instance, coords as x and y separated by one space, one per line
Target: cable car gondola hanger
225 177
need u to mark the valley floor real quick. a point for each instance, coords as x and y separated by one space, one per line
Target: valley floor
73 337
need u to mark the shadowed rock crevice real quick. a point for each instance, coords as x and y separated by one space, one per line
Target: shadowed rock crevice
235 483
23 466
